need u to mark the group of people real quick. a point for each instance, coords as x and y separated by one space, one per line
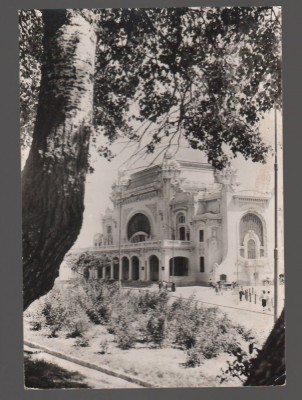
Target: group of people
267 299
163 285
220 286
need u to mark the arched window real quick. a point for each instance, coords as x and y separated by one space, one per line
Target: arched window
181 219
181 227
138 223
182 233
251 249
252 243
251 222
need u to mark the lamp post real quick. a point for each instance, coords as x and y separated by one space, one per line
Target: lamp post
276 256
173 261
120 239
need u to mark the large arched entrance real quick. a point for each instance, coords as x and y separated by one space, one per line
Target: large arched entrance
125 268
116 268
138 228
135 268
154 268
179 266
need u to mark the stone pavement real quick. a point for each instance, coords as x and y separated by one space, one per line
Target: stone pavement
230 297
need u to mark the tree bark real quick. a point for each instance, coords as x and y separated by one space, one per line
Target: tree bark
268 369
54 175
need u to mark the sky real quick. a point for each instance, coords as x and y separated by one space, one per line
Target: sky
98 185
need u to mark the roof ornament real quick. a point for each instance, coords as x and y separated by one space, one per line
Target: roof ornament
228 176
169 162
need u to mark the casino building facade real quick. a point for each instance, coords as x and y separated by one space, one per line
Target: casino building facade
185 222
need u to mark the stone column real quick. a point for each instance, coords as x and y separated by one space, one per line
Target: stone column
111 270
120 269
165 263
147 269
130 268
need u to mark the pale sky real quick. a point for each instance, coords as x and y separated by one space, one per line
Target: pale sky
98 186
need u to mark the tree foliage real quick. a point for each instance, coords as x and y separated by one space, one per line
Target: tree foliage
86 261
204 73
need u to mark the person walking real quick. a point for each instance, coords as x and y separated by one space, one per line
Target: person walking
264 300
246 295
270 301
241 293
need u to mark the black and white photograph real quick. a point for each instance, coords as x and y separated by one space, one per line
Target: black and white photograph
152 197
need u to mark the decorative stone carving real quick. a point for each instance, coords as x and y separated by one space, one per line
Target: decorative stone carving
170 170
246 199
140 197
126 212
227 177
153 208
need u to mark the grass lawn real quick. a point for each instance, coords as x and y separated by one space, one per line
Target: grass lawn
40 374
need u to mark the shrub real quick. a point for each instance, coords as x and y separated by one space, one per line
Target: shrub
147 301
36 318
54 312
81 342
123 330
77 325
184 316
124 336
156 328
104 345
193 357
101 297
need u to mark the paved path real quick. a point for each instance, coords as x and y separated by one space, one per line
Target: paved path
243 312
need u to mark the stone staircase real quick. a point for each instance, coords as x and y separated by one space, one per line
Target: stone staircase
139 284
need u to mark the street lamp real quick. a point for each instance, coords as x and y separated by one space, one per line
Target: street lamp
276 255
173 261
119 240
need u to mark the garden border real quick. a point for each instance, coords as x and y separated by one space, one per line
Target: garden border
90 365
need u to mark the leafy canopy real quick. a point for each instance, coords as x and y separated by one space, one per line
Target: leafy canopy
206 74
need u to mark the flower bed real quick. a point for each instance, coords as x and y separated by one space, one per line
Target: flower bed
177 345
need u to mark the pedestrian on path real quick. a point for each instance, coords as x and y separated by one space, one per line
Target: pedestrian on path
264 300
246 295
270 301
216 288
241 293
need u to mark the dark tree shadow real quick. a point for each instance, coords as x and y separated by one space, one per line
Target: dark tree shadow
40 374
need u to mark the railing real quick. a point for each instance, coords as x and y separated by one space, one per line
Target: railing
176 244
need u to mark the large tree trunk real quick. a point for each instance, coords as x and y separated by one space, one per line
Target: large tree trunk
269 367
54 175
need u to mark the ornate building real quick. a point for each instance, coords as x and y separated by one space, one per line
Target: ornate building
183 221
